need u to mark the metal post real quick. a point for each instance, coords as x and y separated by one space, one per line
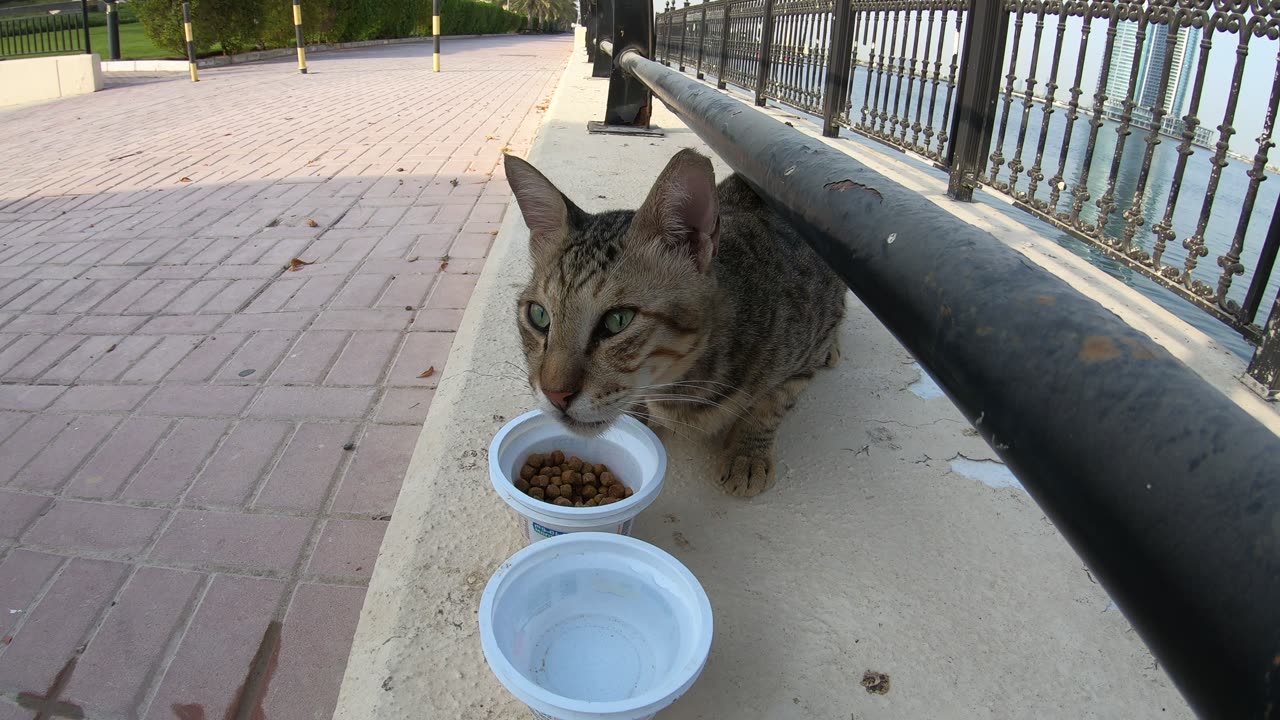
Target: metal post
113 31
84 20
602 66
835 89
1265 365
435 35
297 32
589 14
684 32
724 49
702 39
191 41
978 90
630 103
766 52
666 39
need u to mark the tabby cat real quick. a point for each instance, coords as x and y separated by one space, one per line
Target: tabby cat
703 310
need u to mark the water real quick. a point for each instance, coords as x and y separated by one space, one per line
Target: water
1221 210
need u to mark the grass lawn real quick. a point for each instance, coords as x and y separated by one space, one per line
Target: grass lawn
134 44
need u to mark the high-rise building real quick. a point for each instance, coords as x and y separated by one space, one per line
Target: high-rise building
1153 58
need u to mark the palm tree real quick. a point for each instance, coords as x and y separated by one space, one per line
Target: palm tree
546 14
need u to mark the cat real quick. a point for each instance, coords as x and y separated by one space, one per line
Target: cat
703 309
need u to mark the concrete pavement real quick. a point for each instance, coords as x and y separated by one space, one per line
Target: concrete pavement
201 440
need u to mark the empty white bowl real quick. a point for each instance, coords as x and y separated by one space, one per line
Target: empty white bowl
595 626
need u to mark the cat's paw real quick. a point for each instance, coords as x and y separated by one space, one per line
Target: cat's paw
747 474
833 355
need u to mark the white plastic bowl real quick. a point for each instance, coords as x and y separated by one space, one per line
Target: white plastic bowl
595 626
631 450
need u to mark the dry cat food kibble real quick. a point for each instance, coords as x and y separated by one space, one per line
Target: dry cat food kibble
569 482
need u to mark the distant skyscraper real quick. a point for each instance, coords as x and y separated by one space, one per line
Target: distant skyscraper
1152 61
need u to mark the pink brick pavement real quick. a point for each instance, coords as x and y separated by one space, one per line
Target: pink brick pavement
200 450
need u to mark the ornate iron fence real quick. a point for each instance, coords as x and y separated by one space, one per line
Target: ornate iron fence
43 33
1098 116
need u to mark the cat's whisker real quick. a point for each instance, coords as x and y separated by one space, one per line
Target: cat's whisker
651 416
726 395
697 401
663 423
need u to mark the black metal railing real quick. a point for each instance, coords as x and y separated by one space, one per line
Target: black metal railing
1104 119
1165 487
61 33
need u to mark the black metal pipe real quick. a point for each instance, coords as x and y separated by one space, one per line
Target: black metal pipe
1167 489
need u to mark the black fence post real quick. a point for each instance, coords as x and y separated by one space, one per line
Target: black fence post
702 39
839 61
684 32
724 49
766 52
589 22
669 13
1265 365
602 65
190 36
84 21
978 90
113 31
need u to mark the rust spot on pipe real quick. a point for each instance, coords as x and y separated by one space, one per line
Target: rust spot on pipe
1046 300
1139 350
1098 348
843 185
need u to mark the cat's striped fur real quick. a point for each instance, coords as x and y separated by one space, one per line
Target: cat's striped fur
733 312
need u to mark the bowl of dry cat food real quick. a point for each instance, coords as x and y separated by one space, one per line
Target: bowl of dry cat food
561 483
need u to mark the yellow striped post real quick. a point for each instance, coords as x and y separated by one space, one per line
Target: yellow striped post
297 31
191 41
435 33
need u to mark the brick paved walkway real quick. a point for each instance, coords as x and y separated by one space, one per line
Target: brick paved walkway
199 450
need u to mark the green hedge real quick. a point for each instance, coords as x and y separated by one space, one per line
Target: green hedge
240 25
127 15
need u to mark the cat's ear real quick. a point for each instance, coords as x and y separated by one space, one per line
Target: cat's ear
682 207
547 212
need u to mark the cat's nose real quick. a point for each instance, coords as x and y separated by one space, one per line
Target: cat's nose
560 399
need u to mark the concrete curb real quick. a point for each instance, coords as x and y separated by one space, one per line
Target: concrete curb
151 66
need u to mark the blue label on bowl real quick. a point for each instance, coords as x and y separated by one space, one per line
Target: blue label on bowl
544 531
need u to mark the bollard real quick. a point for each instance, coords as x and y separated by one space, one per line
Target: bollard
191 41
113 31
435 33
297 31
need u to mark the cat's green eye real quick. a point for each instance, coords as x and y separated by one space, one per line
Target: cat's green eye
615 321
539 316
